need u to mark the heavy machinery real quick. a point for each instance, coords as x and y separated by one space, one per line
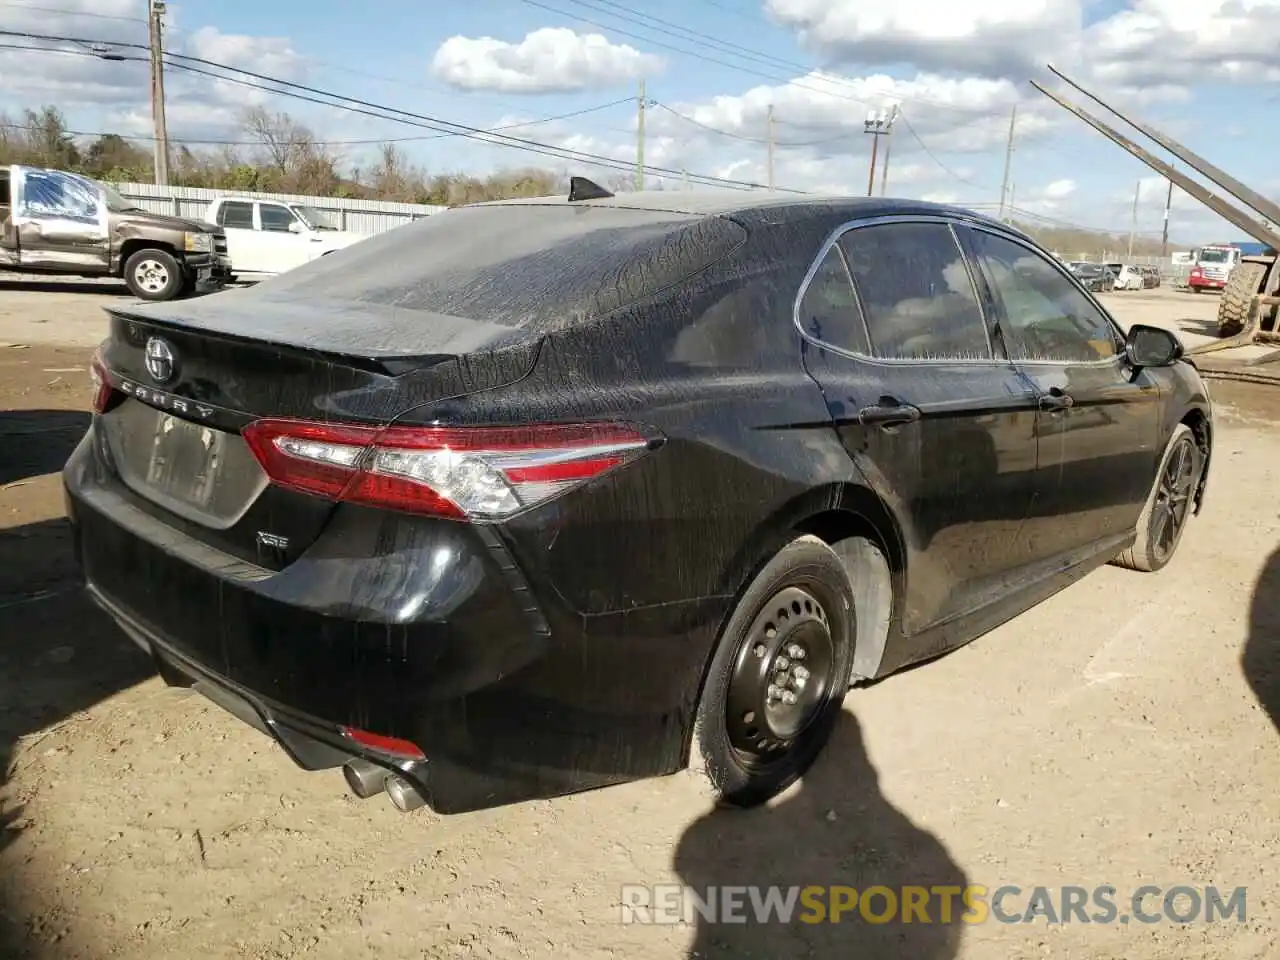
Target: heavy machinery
1248 310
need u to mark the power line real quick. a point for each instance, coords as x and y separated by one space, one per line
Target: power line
449 126
20 4
192 141
696 36
930 154
70 13
739 136
379 111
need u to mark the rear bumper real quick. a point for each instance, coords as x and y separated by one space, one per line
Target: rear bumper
420 630
311 743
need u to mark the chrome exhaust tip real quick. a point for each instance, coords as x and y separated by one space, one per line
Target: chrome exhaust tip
364 778
403 795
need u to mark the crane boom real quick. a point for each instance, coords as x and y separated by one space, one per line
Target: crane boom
1233 215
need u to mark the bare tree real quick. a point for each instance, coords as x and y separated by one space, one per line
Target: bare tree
284 141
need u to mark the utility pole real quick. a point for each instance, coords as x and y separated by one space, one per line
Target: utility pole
1164 236
1133 223
1008 161
640 139
884 169
878 125
769 141
155 23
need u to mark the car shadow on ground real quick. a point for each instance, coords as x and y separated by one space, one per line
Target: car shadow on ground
1197 327
1261 658
835 830
36 442
59 656
112 288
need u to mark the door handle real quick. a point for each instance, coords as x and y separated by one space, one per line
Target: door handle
888 412
1055 399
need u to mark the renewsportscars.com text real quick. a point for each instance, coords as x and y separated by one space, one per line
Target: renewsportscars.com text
1105 904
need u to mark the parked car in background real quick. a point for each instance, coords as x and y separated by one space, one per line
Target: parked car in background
63 224
267 237
1095 277
541 495
1127 276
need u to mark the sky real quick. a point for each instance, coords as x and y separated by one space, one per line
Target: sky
565 75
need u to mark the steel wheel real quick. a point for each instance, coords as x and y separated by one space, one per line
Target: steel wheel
781 678
151 276
1173 498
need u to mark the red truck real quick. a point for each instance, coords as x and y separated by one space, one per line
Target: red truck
1211 265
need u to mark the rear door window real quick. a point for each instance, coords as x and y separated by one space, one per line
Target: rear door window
236 214
916 292
829 311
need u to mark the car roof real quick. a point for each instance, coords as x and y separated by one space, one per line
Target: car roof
744 203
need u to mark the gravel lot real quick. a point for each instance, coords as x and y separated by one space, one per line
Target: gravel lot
1124 733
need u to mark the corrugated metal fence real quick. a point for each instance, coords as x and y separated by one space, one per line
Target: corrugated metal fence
358 216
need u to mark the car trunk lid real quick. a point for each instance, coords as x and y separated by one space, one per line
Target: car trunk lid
188 377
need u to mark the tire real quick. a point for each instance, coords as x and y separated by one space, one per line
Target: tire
796 615
1243 283
1176 481
153 274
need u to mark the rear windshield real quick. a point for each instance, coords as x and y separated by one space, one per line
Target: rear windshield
529 266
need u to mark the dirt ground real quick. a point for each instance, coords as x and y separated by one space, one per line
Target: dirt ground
1124 733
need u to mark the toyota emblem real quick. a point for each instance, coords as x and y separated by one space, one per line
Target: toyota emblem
160 360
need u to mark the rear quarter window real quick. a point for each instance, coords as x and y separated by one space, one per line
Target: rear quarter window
528 266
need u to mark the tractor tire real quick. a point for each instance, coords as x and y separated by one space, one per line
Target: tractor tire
1243 284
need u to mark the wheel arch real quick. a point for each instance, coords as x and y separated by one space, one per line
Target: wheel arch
859 527
1201 425
134 244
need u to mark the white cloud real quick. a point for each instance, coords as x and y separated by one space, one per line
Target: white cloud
73 77
959 115
1060 189
1172 42
101 95
995 38
271 56
554 59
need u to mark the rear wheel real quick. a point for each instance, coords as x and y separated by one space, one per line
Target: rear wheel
778 676
153 274
1242 285
1168 507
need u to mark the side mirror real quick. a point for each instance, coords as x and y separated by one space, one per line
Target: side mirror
295 226
1148 346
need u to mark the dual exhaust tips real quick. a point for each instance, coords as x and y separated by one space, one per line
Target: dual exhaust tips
367 780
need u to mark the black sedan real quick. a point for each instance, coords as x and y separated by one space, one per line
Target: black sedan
1094 277
537 496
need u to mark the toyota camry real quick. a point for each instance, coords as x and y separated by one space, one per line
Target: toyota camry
536 496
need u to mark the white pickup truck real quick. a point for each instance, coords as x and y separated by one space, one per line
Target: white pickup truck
266 237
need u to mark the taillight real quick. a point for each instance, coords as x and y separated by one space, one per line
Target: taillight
467 473
102 389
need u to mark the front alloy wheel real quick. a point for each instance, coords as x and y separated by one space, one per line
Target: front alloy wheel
153 274
1174 491
1168 507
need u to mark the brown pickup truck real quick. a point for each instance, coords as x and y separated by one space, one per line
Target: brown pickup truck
55 222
